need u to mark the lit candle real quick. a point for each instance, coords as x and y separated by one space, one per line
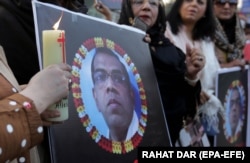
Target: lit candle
53 47
54 52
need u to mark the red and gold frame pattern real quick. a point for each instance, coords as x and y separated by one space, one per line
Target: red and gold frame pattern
109 145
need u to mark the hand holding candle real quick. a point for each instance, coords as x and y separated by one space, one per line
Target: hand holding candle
54 52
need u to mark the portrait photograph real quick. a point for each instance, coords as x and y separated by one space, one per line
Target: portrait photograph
235 109
88 78
232 90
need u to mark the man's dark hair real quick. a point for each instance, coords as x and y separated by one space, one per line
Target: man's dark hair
107 51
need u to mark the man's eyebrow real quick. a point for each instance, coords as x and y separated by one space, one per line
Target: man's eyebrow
99 69
117 70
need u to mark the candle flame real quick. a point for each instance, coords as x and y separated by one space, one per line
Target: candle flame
56 25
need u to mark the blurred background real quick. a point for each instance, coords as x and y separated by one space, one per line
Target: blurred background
114 5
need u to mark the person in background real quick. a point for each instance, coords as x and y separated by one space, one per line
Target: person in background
21 125
17 33
229 37
247 31
246 49
103 9
114 95
176 72
191 23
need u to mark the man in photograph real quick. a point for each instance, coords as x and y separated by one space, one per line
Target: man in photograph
234 113
114 95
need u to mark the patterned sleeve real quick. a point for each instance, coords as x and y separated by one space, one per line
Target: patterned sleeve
20 127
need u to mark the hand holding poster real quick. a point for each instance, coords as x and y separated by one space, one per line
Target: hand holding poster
114 105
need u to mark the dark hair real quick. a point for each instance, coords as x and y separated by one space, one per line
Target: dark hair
247 26
127 15
204 28
73 5
109 52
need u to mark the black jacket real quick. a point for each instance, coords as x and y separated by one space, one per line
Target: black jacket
17 36
178 97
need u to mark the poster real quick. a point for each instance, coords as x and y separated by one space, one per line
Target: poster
85 136
232 90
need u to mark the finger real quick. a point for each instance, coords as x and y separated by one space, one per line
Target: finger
67 74
47 123
65 67
204 96
198 64
147 39
50 114
200 58
188 50
202 99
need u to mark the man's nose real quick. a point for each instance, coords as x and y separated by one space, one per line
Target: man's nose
234 105
109 81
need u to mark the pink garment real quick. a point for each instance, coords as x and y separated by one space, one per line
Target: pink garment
246 51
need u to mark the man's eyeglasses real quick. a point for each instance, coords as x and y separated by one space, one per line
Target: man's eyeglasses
101 76
223 2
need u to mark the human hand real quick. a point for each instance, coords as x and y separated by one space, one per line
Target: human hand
147 38
103 9
48 86
238 62
204 97
50 113
195 62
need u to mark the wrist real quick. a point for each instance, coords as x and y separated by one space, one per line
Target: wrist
191 81
39 103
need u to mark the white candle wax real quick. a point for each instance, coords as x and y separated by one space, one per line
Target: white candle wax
54 52
53 47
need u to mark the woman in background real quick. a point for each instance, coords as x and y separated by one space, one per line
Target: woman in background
192 23
176 72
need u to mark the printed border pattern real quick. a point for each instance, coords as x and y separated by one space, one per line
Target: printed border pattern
109 145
